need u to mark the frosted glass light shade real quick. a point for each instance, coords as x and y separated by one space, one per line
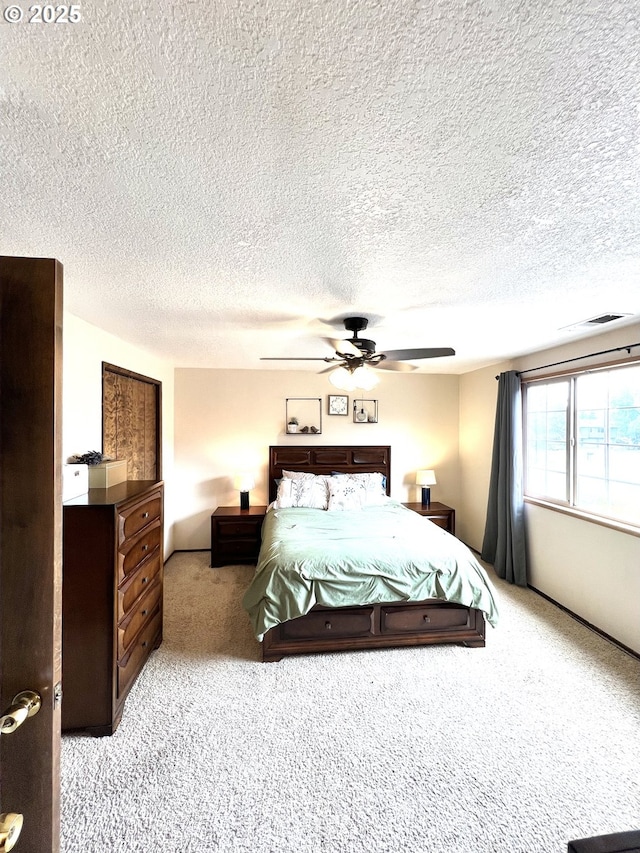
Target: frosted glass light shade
244 482
342 379
362 377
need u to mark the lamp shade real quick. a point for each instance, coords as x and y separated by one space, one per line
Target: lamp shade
244 482
425 477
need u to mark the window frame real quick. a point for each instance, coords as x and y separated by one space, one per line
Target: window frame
568 506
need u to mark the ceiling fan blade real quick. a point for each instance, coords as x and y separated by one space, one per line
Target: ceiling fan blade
401 366
343 347
294 358
410 354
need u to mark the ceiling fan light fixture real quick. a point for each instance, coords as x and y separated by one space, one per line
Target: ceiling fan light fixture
365 378
342 379
350 379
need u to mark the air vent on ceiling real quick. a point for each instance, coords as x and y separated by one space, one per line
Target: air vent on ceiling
600 320
604 318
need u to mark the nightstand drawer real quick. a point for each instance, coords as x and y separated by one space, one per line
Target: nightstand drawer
440 520
233 528
235 551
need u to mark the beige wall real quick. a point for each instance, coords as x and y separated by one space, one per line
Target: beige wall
590 569
85 347
226 420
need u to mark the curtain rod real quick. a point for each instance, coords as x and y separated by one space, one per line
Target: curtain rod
628 348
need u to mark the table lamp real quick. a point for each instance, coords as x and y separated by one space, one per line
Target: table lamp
426 478
244 483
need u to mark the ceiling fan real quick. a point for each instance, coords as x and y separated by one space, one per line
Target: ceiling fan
354 356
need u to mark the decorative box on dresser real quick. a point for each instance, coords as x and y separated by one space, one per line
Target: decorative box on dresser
441 514
111 599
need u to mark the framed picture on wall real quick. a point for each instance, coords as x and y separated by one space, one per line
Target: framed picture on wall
338 404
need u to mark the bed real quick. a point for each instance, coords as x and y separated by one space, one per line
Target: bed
359 579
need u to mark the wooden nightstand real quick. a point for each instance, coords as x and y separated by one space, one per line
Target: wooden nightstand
236 534
440 514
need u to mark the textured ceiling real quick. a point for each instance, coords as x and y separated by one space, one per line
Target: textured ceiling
222 180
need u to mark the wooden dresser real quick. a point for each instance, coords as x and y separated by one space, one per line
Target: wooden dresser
111 599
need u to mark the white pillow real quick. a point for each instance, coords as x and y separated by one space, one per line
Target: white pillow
373 483
306 491
346 492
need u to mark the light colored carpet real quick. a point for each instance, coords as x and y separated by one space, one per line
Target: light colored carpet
514 748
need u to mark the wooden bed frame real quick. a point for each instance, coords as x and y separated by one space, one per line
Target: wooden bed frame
326 629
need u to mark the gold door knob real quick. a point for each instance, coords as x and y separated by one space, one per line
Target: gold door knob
10 828
25 704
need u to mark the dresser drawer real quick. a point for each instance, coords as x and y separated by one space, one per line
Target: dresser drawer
409 619
135 585
134 518
131 664
135 551
329 623
143 610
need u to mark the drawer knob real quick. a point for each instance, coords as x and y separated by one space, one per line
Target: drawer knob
144 580
327 625
426 619
145 547
144 643
145 611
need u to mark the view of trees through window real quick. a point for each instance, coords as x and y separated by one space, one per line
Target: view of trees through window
582 444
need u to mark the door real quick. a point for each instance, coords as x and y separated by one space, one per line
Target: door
31 541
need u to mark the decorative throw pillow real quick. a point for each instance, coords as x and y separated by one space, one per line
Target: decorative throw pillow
307 491
374 484
345 493
376 474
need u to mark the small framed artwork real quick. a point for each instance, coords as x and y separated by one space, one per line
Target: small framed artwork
365 411
338 404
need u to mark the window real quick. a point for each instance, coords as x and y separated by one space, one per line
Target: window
582 442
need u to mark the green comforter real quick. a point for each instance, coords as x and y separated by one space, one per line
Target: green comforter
376 554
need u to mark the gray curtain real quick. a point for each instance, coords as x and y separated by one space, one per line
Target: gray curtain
504 537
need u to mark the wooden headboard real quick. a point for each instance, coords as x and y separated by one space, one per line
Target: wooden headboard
346 459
